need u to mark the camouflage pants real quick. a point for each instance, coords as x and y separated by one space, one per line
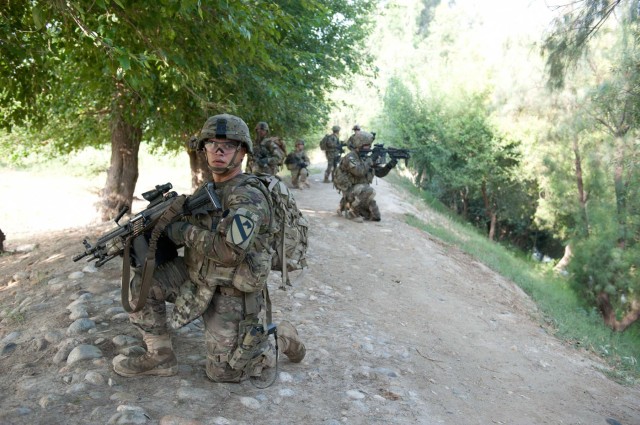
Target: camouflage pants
222 321
360 202
299 177
331 157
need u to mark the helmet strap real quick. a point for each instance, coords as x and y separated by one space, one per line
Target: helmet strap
231 165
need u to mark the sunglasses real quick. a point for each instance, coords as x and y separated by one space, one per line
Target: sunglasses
225 147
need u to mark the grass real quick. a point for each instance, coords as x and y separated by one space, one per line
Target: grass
16 317
563 312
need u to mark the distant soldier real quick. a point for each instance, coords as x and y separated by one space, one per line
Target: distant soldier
269 152
353 178
297 162
356 129
330 144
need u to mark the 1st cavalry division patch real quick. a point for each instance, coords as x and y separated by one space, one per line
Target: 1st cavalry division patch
242 228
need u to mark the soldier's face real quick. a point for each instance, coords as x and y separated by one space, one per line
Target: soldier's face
223 154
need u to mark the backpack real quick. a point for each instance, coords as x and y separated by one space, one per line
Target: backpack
278 141
341 179
289 227
323 143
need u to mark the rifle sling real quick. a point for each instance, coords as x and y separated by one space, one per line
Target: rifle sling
150 262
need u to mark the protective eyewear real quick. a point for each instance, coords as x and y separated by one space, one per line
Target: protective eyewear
225 147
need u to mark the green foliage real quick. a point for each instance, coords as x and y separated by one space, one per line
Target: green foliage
460 157
606 257
577 23
166 67
16 317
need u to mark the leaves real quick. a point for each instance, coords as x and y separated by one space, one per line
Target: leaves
263 60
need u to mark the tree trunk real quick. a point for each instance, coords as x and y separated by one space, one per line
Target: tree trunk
199 170
620 189
464 197
490 211
123 170
609 314
565 260
582 197
2 239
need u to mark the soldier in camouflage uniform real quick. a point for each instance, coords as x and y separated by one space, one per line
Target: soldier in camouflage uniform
330 145
356 129
297 162
354 178
268 152
222 276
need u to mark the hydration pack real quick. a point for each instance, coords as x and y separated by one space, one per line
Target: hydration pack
289 227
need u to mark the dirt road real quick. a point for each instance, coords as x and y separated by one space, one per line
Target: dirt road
400 328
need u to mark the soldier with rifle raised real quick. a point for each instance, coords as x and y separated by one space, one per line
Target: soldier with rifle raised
330 144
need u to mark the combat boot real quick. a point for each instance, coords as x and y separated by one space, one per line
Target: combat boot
289 341
375 211
354 217
159 359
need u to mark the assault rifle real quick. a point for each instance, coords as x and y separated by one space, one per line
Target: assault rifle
298 162
138 227
379 154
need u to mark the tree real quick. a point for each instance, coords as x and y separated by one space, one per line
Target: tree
604 244
459 156
577 23
134 71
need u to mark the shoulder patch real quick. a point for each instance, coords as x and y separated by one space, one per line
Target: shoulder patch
242 229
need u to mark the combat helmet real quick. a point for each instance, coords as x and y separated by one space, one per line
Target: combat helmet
335 128
227 127
356 127
262 126
362 138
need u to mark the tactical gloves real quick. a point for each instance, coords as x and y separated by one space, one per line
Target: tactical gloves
176 231
391 164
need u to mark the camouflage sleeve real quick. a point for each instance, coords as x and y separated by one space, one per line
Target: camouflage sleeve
356 167
246 216
305 157
277 155
381 170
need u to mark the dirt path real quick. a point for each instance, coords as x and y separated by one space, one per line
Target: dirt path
400 328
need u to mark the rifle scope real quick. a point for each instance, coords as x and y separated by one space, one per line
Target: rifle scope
160 190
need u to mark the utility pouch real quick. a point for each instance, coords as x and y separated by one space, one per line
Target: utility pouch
250 346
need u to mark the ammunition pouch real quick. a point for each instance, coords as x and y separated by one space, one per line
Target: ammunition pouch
252 344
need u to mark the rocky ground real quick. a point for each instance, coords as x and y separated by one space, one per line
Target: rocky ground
400 328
